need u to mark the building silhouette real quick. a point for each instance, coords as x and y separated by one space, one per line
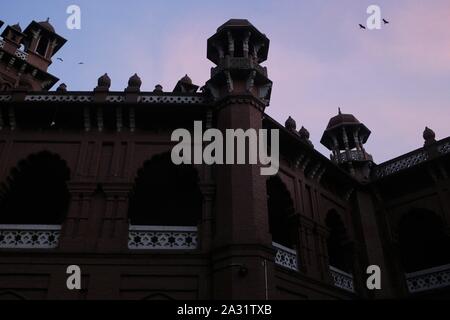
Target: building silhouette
87 179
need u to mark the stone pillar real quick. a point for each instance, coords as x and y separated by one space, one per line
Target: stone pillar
375 246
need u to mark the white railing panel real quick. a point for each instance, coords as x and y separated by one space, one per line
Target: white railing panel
428 279
285 257
162 238
342 279
29 236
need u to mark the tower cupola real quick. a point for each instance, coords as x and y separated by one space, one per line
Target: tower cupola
345 136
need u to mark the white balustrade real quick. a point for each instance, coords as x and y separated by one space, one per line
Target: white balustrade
428 279
162 238
285 257
29 236
342 279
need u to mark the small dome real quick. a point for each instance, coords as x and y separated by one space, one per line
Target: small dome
158 88
290 124
46 24
134 81
304 133
429 136
104 81
16 27
186 79
62 88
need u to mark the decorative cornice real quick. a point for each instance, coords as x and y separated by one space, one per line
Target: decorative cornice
241 99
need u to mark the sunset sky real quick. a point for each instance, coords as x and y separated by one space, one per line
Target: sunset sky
396 80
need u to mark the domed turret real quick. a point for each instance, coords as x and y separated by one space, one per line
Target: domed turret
345 137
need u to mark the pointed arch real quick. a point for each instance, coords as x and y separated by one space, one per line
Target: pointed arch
36 191
166 194
422 240
281 212
338 244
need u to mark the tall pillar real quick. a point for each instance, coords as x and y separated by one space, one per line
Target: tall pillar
242 251
375 246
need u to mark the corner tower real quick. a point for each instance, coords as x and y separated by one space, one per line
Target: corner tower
26 55
238 49
240 88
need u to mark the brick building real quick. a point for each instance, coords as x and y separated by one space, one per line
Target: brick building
86 179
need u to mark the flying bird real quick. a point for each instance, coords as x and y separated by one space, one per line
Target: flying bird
361 26
80 62
385 21
59 59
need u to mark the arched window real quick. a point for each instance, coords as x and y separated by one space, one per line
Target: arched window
36 191
165 194
281 212
339 248
423 242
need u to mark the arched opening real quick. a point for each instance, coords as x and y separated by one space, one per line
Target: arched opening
36 191
338 244
165 194
42 46
280 206
423 241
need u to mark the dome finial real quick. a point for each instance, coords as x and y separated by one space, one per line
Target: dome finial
290 124
103 83
134 83
429 136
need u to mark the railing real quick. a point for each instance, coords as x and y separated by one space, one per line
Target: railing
162 238
410 159
342 279
352 155
285 257
21 55
428 279
29 236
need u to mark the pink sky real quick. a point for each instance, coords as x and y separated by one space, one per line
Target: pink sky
396 80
